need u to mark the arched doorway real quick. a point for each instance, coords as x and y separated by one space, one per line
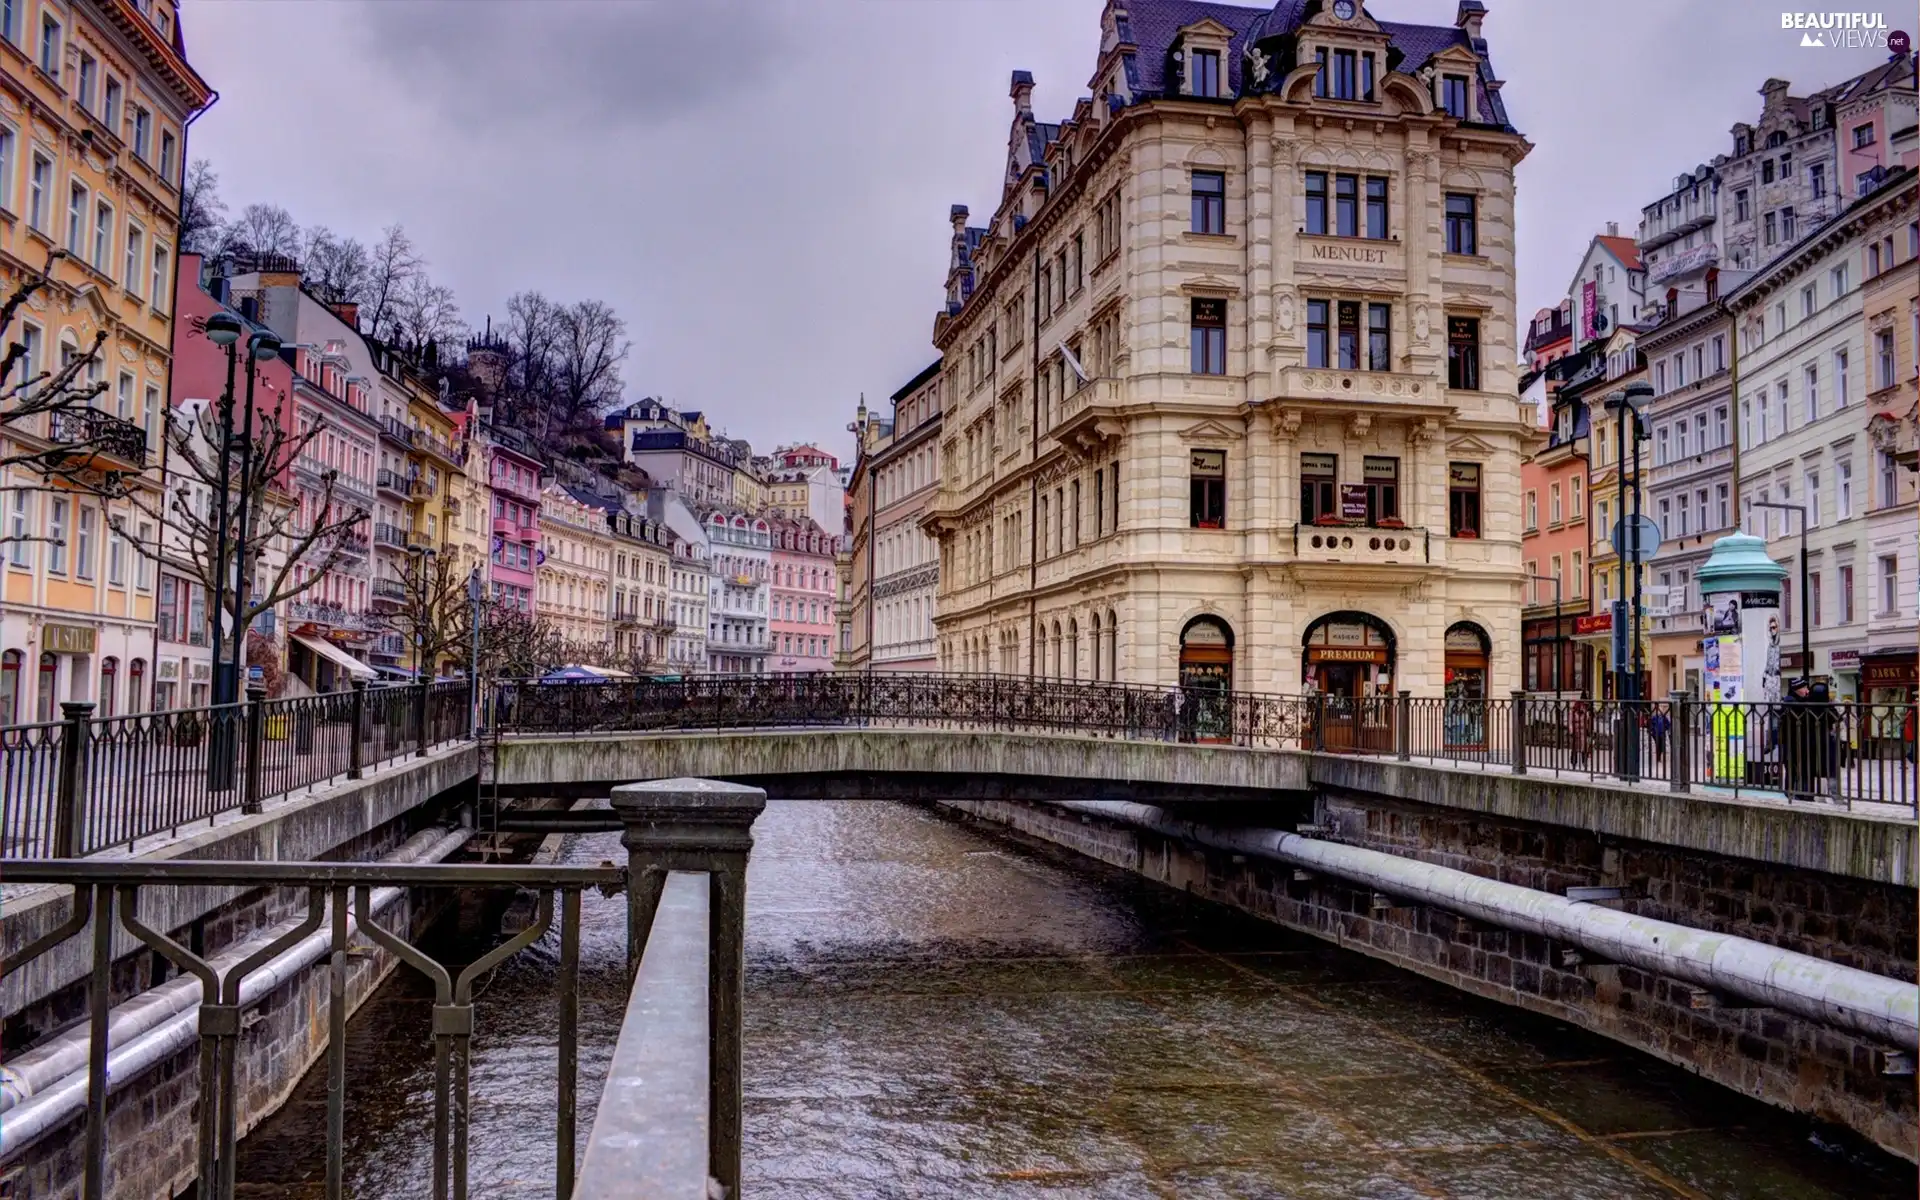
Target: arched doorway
1467 650
1206 681
1349 658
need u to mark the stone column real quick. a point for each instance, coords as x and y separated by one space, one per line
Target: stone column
706 826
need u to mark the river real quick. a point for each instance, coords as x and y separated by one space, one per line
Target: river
935 1012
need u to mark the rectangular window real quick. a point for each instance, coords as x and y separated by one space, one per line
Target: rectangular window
166 156
1346 205
1838 278
39 192
1379 337
1317 487
1349 311
1863 135
83 543
1462 234
1814 616
1810 379
9 143
19 529
1376 207
1723 518
1889 586
1809 300
1317 333
50 46
1843 491
57 536
1883 358
77 220
1207 489
1463 353
1382 479
1463 500
1345 75
1742 210
1209 333
1766 170
1812 481
1846 595
142 565
89 72
102 236
1533 511
110 111
1555 513
1576 509
1209 202
1817 177
1453 95
142 133
1317 202
1206 73
1578 583
1787 231
1839 378
1889 480
160 288
136 257
1320 72
1366 75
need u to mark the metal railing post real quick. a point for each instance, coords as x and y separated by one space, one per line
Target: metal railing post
1319 703
1680 769
256 746
699 825
1403 726
1519 736
356 734
420 720
68 799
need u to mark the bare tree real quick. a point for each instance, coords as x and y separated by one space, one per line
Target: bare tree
264 229
593 343
58 436
514 643
338 268
428 315
203 215
392 266
435 614
192 509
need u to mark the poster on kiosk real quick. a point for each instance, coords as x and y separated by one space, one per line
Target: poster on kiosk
1742 679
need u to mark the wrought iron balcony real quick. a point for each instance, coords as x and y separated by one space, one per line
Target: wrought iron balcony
390 537
104 434
389 591
394 428
393 481
330 615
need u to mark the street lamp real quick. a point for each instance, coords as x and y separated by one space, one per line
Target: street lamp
1806 633
1627 404
264 347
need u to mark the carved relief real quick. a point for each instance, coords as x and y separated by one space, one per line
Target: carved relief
1422 322
1283 313
127 354
1359 425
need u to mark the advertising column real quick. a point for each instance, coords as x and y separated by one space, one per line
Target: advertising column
1740 617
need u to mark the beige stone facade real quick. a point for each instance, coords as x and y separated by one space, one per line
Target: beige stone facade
1137 500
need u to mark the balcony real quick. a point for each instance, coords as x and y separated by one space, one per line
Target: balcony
663 625
420 488
389 537
505 527
1361 545
393 429
393 482
389 591
330 615
389 645
105 436
353 542
439 447
1697 259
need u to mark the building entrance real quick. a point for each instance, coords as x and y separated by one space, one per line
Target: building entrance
1206 681
1348 657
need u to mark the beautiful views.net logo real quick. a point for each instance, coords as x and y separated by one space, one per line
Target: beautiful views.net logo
1839 30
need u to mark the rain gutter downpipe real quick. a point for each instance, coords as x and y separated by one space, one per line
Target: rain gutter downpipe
1872 1006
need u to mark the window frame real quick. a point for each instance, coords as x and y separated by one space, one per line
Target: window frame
1462 227
1318 203
1207 335
1208 208
1464 508
1463 353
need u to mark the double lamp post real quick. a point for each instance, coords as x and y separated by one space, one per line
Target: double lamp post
225 330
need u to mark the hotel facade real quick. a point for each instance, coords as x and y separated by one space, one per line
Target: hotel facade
1230 394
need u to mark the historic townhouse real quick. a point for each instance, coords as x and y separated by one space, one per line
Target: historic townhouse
1807 362
1596 379
575 571
740 562
94 102
904 562
1890 307
1229 375
801 594
643 555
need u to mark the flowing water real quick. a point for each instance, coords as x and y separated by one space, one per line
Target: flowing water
933 1012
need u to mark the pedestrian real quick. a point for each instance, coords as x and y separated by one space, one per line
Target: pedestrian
1801 741
1580 730
1658 723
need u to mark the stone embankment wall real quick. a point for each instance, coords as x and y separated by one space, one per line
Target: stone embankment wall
1769 1055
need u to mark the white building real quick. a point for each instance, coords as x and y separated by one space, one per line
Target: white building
740 559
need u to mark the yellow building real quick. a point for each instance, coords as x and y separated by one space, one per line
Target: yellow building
644 623
421 491
576 565
94 100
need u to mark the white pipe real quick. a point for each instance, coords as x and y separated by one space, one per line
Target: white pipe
1874 1006
45 1087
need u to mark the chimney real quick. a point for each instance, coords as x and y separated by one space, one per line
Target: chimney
347 311
1022 93
957 216
1469 16
1613 229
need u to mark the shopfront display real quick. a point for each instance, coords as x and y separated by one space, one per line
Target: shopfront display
1206 681
1349 658
1888 684
1467 649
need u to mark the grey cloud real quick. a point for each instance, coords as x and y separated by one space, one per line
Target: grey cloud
590 61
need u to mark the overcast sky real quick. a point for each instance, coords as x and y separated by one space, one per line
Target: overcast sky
761 188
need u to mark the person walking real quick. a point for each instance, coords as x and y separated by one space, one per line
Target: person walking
1658 724
1580 731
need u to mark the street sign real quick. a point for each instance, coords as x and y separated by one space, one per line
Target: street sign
1632 530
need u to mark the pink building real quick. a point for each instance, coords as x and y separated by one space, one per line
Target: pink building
513 476
1869 110
801 621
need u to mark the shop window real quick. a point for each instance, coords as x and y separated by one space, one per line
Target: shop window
1463 500
10 688
1463 353
1209 337
1318 488
1207 490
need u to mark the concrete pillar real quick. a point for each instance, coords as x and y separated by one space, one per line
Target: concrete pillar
707 826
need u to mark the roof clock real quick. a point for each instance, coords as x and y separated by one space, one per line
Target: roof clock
1344 9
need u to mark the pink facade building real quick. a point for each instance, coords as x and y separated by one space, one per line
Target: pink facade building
800 622
513 479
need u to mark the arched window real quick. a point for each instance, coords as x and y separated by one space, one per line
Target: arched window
47 687
10 688
1093 641
109 689
1057 650
1073 648
1113 646
1040 654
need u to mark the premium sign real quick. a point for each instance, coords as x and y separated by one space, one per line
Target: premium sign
1353 254
67 639
1380 470
1346 654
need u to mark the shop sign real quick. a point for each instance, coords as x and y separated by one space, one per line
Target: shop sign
1593 623
1209 464
1463 639
1384 470
1463 475
1887 673
170 668
202 672
1318 464
1844 660
1346 654
1353 501
1204 633
67 639
1343 635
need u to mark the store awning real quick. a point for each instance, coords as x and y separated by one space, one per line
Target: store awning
336 656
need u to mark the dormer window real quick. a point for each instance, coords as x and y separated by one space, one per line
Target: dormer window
1206 73
1346 75
1453 95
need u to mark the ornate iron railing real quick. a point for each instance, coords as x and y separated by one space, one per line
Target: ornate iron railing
84 784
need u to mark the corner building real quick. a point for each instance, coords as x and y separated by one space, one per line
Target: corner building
1277 245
